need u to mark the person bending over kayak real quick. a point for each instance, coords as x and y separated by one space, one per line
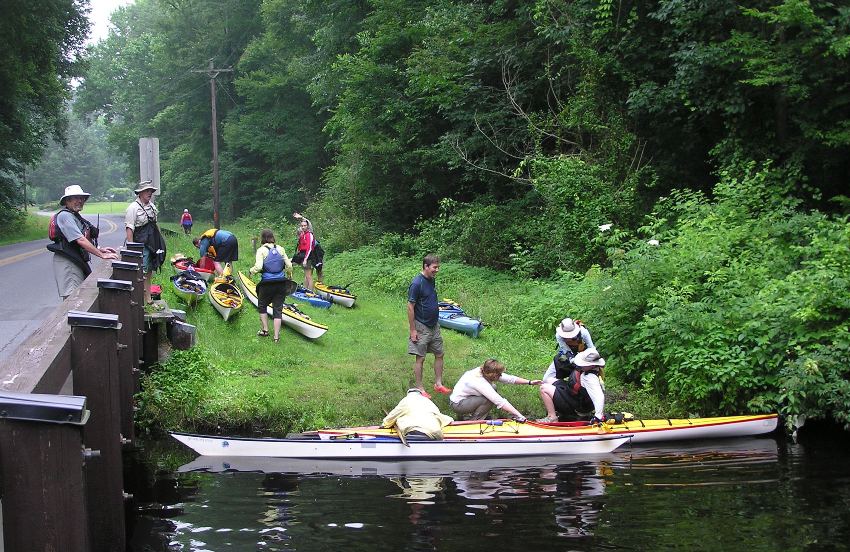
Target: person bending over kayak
572 388
415 415
475 394
220 245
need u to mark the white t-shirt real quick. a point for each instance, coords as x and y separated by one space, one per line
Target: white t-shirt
473 384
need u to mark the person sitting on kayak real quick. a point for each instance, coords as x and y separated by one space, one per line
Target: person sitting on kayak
574 391
572 337
416 416
475 394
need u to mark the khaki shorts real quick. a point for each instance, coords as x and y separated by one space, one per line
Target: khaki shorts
430 340
67 274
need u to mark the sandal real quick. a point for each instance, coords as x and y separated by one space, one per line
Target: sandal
277 340
263 333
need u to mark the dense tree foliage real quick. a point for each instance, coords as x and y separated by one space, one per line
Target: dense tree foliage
83 159
41 43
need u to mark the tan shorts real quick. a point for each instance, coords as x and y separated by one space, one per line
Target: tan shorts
67 274
430 340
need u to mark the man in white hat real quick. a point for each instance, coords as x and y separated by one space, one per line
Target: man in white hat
572 337
72 247
140 223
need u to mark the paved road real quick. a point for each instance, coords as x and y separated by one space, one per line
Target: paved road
29 290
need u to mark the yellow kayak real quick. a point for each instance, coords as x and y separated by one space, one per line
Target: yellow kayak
642 431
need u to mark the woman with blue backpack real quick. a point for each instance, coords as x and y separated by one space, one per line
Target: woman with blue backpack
275 282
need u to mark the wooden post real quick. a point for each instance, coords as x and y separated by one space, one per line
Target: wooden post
94 357
41 473
133 256
130 272
115 299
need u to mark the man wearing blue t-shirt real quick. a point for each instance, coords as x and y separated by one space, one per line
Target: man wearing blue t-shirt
423 319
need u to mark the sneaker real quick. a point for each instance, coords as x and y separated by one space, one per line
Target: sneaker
546 420
425 394
442 389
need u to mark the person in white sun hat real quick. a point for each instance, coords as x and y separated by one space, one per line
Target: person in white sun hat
572 336
74 242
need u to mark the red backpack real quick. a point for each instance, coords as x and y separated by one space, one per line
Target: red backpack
55 234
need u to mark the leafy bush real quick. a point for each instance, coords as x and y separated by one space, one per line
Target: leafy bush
174 391
741 306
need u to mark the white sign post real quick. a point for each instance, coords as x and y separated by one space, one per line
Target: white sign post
149 161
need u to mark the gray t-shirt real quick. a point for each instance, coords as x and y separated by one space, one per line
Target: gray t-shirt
70 226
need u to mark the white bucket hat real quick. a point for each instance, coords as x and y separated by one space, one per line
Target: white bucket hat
567 329
144 185
71 191
588 357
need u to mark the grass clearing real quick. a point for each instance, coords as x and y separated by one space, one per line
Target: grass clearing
351 375
33 227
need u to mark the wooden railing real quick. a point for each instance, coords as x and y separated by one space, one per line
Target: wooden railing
61 481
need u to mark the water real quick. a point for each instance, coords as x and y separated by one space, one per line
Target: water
747 494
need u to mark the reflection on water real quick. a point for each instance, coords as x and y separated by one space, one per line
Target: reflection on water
710 496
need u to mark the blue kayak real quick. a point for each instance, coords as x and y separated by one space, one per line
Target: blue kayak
453 317
314 300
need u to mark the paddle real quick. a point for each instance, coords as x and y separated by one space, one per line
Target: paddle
401 437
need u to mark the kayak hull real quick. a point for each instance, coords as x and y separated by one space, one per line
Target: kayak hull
313 299
186 264
461 323
290 315
189 294
230 308
392 447
641 431
452 316
335 294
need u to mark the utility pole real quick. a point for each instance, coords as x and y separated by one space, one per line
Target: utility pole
213 73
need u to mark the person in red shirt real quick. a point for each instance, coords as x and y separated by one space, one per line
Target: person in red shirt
186 221
307 252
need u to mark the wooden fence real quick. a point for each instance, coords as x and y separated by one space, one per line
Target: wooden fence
66 415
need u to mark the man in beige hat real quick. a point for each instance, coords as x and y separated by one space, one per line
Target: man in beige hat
572 337
72 247
140 223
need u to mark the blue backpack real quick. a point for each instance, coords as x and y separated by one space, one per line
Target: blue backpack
273 265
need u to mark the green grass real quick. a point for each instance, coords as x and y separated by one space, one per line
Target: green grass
105 208
34 227
351 375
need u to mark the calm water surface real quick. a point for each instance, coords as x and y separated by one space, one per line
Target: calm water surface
750 494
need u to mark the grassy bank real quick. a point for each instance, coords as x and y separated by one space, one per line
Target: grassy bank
33 227
236 381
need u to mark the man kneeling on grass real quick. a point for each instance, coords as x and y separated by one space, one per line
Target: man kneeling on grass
416 416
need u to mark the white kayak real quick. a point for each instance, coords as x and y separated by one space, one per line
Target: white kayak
393 447
337 294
